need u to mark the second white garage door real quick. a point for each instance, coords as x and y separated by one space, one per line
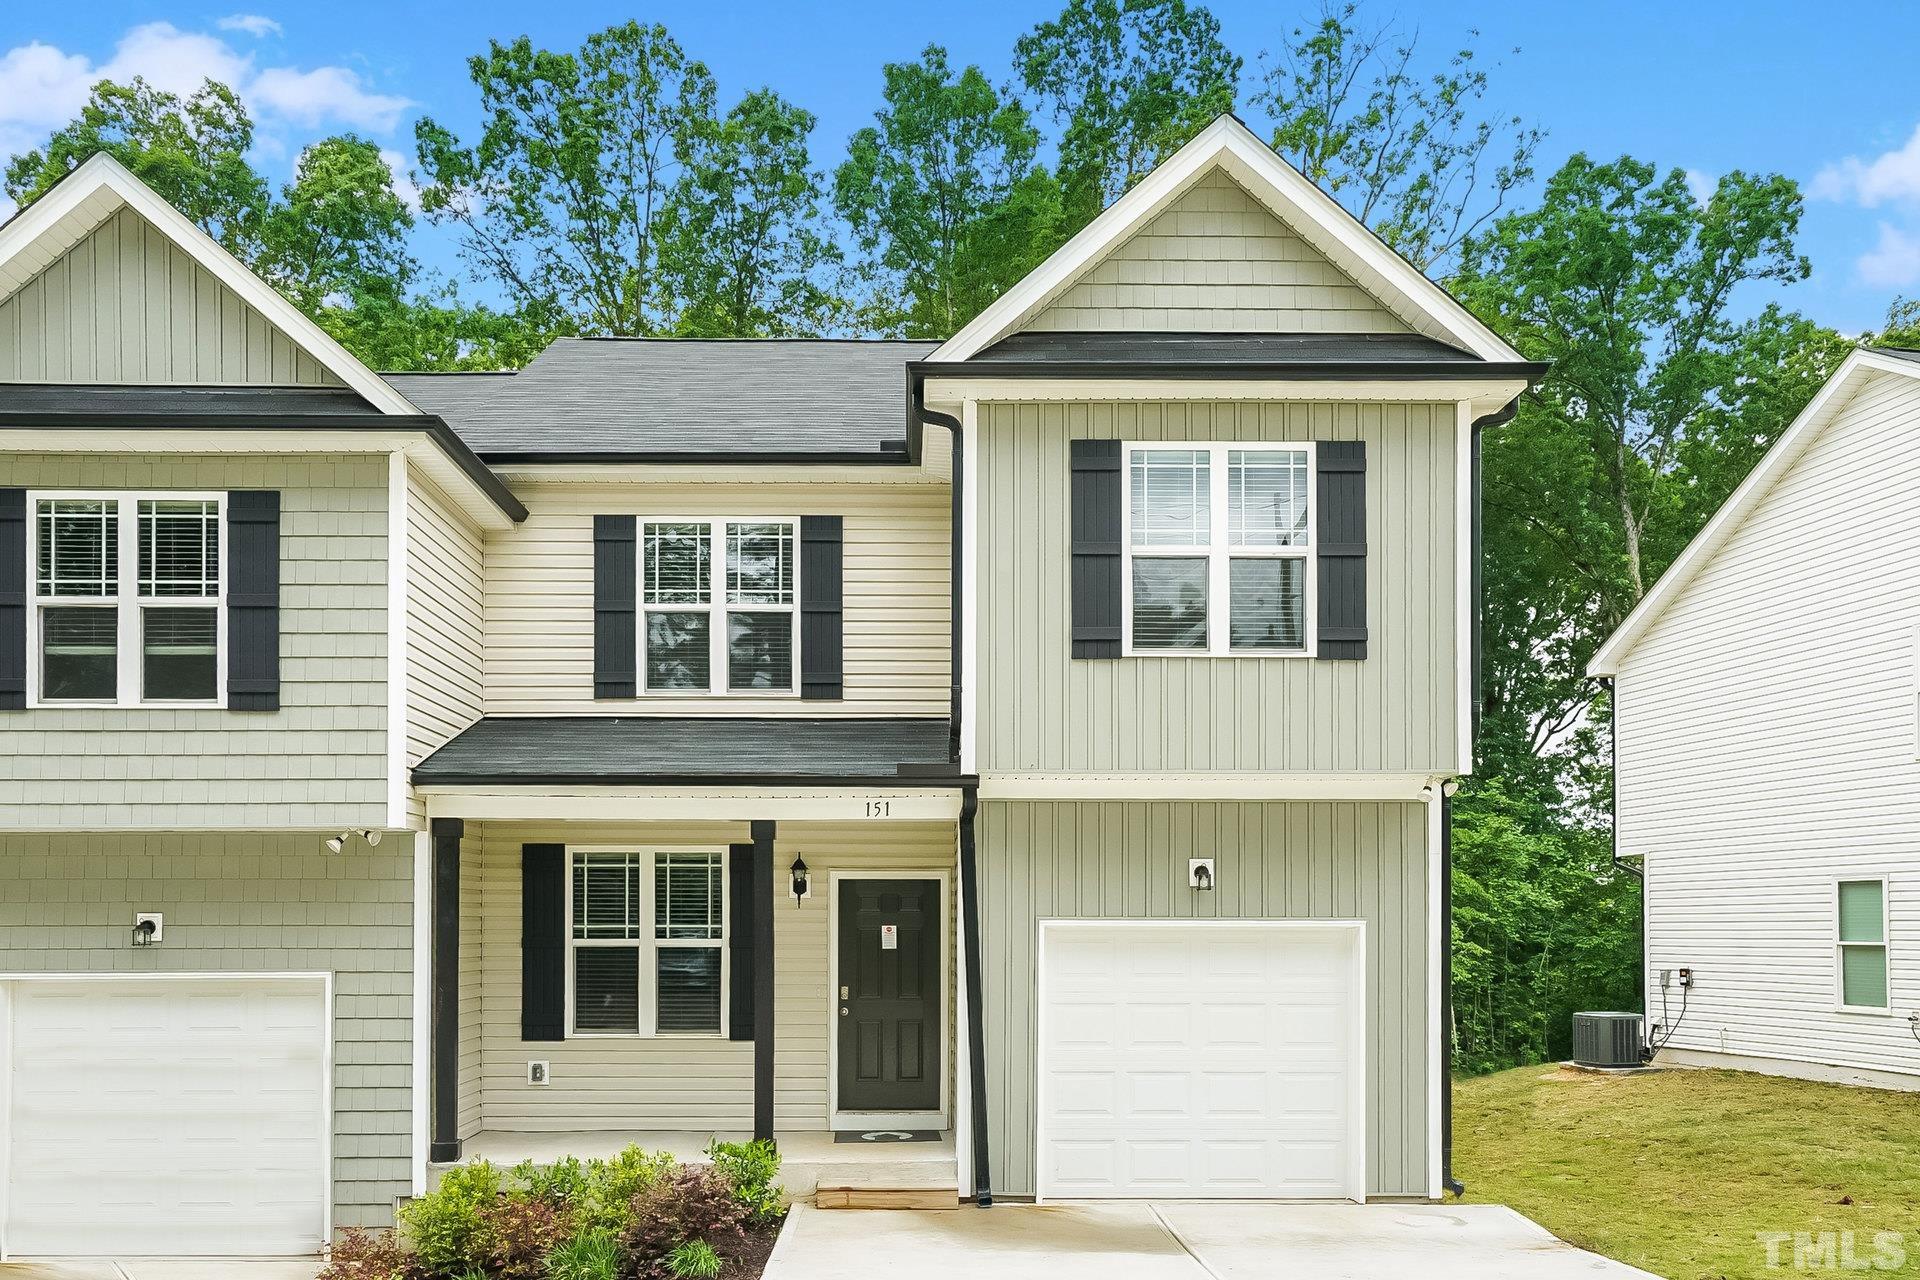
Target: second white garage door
165 1116
1202 1059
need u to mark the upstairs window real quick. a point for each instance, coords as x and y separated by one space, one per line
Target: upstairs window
1219 549
717 601
1861 941
127 599
648 943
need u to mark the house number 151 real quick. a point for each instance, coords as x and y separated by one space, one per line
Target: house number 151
879 808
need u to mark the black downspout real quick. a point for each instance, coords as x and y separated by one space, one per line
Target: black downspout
976 1045
918 414
1447 1181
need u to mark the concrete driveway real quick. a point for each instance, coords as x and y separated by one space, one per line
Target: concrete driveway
1186 1240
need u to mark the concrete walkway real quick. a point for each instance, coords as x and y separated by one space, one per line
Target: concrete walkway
1186 1240
163 1269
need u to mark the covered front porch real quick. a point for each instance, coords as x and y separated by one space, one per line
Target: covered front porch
624 963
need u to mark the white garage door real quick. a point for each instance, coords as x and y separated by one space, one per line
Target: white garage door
165 1116
1218 1059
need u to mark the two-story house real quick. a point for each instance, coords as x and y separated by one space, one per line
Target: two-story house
1035 743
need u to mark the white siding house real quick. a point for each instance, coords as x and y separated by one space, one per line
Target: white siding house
1768 750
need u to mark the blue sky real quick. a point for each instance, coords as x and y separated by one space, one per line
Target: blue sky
1798 88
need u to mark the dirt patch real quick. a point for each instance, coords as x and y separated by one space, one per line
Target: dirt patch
749 1259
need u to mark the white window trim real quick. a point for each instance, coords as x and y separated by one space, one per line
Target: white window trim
649 946
716 608
127 602
1218 552
1885 946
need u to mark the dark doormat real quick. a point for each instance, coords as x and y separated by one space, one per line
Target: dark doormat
887 1135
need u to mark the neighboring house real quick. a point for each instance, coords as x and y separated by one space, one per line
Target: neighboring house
1767 725
709 796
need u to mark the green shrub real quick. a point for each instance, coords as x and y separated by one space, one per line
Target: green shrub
593 1254
750 1168
450 1228
693 1203
607 1187
694 1260
521 1231
370 1255
558 1184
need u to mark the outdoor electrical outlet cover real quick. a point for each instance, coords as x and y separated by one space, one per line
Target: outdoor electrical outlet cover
538 1074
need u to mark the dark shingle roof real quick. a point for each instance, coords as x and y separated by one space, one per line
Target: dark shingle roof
253 403
636 750
625 398
1328 355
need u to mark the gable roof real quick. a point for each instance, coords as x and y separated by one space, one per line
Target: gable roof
1854 372
1228 145
811 400
39 234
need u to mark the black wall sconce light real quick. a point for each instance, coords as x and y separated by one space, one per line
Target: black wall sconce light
800 887
1200 874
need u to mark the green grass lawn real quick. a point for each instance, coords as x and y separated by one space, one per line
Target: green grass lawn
1678 1172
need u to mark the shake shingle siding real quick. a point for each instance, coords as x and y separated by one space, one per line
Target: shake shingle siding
320 760
243 902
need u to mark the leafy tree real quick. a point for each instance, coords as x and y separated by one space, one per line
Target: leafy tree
1417 157
1128 82
432 332
740 250
1900 329
339 228
559 202
192 151
944 198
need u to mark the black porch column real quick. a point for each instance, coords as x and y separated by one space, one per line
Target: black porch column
762 978
976 1029
445 1037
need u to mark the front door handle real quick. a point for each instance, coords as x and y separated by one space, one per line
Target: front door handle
843 1011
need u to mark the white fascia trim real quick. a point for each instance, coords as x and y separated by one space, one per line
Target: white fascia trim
1206 786
103 172
399 571
1484 395
1436 1032
697 804
969 570
1312 214
1830 399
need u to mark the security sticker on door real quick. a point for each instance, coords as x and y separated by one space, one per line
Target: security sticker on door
889 937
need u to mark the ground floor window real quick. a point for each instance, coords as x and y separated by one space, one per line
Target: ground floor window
648 944
1861 936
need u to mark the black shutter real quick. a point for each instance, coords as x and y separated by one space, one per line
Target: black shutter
253 600
740 942
1095 523
1340 535
615 582
820 605
13 599
543 942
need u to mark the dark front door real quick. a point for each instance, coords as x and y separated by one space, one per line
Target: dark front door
889 1009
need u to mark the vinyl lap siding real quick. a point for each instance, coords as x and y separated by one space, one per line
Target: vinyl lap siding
1767 748
127 305
539 603
1216 260
1042 712
445 595
248 903
675 1082
1127 860
320 760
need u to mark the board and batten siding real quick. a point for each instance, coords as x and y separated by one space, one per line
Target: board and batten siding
1127 860
539 603
675 1082
237 903
1216 260
1767 748
1043 712
127 305
446 594
320 761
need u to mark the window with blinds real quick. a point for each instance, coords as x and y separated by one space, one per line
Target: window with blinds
1219 546
718 599
648 943
1861 943
129 598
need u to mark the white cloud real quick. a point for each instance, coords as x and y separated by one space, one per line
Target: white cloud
1891 176
403 183
1893 263
325 93
256 25
1702 184
42 87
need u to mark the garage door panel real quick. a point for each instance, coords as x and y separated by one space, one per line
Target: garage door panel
167 1116
1236 1080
